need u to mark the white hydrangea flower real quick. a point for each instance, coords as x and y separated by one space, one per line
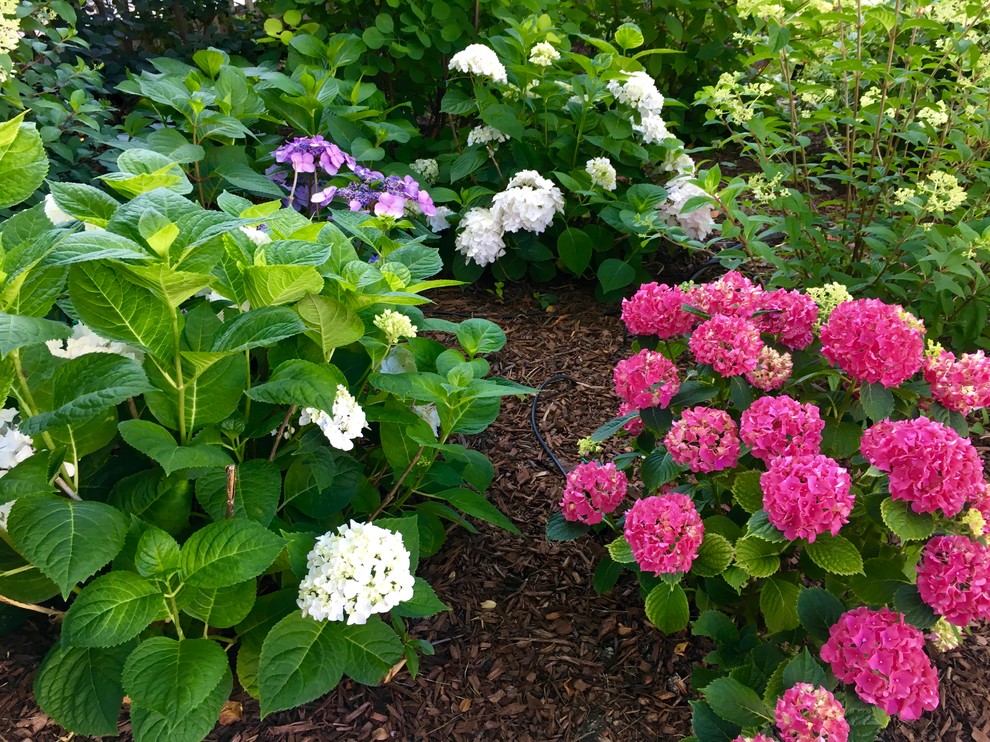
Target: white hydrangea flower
15 447
697 224
5 513
638 91
486 135
84 341
936 116
438 221
682 164
398 361
395 325
427 168
428 413
481 237
543 54
259 237
345 423
653 128
602 172
478 59
360 570
55 215
530 202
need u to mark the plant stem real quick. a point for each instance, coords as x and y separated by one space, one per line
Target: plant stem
395 488
281 431
31 607
180 385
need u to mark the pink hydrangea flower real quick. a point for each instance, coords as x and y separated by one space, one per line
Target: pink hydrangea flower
929 464
781 426
962 385
806 495
772 369
872 341
657 309
806 713
636 379
730 345
635 426
592 490
884 658
705 439
664 533
953 578
789 315
757 738
733 294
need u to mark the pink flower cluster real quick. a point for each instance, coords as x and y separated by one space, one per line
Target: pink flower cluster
772 369
705 439
790 315
657 309
733 295
884 658
809 714
929 465
730 345
636 380
592 490
781 426
953 578
806 495
757 738
872 341
962 385
664 533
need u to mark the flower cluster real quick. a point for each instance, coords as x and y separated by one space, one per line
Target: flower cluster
697 222
647 379
358 571
806 713
602 173
486 135
884 658
639 91
388 195
15 447
395 325
945 636
657 309
961 384
953 578
345 423
773 369
789 315
84 341
757 738
543 54
478 59
427 169
730 345
664 533
806 495
732 294
305 154
781 426
828 297
929 465
872 341
481 238
592 491
705 439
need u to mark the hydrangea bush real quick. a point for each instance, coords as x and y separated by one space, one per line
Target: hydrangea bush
819 521
228 437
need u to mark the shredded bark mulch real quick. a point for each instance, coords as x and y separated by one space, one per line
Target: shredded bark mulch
528 651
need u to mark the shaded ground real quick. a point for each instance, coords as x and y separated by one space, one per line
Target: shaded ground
551 660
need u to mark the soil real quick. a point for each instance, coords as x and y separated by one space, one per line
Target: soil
528 651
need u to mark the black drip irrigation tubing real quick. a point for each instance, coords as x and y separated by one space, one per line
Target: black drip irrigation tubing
536 427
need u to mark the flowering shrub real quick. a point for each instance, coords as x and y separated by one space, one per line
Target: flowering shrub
229 433
838 511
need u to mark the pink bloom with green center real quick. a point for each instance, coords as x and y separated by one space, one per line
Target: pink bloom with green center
657 309
806 713
664 533
961 384
953 578
730 345
789 315
929 465
772 369
806 495
592 490
884 658
647 379
733 295
705 439
781 426
872 341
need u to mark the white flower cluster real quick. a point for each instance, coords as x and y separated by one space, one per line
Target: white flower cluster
678 162
486 135
543 54
639 91
14 448
653 129
427 168
55 214
528 203
602 172
935 116
940 192
438 220
10 26
360 570
395 325
84 341
767 190
344 424
259 237
478 59
697 224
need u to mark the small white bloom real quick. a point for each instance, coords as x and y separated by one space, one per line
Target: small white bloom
55 215
638 91
427 168
344 425
486 135
84 341
682 164
543 54
5 513
697 224
529 203
481 237
395 325
602 172
428 413
14 445
653 128
438 221
257 236
478 59
936 116
357 571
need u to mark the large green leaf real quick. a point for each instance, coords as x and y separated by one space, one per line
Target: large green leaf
758 557
165 502
778 602
84 202
667 608
301 383
156 442
157 553
273 285
747 492
906 524
877 401
17 331
220 607
301 660
257 488
372 649
475 504
214 384
230 551
479 335
330 324
173 676
818 609
423 603
23 163
836 554
111 610
714 555
736 702
170 285
258 328
194 725
67 540
29 586
81 247
79 687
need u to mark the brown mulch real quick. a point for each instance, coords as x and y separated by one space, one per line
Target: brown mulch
551 660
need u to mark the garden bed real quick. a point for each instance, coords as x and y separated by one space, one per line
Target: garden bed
528 651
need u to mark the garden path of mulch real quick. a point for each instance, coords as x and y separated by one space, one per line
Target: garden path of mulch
552 660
